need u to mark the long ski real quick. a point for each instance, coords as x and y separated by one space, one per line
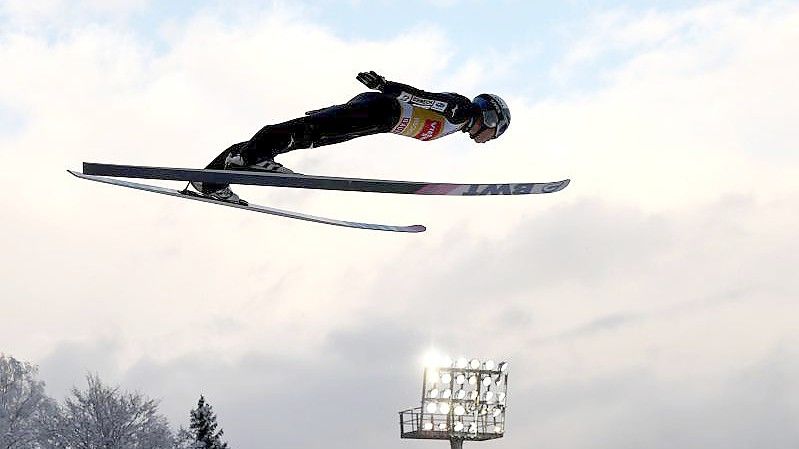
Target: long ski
249 206
321 182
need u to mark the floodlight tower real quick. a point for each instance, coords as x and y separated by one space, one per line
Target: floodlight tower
464 401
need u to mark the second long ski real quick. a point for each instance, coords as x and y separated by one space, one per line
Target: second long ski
322 182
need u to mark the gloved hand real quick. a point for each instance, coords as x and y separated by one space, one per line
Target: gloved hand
372 80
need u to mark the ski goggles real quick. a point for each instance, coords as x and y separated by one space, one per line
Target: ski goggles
491 117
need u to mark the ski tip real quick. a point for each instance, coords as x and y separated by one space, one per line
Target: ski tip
417 228
74 173
556 186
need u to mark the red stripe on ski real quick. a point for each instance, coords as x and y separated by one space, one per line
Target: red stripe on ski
437 189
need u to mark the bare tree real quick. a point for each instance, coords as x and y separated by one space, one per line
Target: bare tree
102 417
23 404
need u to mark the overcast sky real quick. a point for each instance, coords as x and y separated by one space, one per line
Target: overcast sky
653 303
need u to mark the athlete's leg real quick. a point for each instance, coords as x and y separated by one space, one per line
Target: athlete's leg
367 113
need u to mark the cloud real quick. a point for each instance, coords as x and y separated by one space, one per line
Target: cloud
656 290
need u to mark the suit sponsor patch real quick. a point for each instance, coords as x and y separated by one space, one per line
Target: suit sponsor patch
426 103
430 130
422 123
400 127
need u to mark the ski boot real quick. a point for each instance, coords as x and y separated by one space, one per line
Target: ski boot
209 191
235 161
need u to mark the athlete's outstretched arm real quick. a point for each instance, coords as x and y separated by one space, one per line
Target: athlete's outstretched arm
456 108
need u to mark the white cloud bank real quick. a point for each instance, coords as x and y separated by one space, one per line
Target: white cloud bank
650 304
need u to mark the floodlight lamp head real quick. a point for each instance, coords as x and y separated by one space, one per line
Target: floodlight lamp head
434 360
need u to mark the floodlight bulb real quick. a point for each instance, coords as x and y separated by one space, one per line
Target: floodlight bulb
428 426
461 394
474 395
473 380
497 412
487 381
446 394
460 379
434 393
461 363
460 410
490 365
444 407
474 364
501 397
503 366
433 359
458 426
446 378
431 407
442 426
489 396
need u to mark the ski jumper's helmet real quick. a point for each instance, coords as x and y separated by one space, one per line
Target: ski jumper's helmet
495 113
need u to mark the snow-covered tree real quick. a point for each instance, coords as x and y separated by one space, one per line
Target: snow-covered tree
102 417
23 404
202 433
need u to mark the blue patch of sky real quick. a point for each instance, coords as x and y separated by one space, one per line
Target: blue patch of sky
538 32
541 32
12 122
147 24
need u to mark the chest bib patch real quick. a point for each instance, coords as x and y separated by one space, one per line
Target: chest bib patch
422 124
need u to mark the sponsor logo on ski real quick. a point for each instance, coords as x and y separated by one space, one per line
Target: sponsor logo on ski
499 189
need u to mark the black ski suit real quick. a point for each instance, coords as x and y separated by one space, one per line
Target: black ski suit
397 108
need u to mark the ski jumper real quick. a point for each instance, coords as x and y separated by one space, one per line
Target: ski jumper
398 109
